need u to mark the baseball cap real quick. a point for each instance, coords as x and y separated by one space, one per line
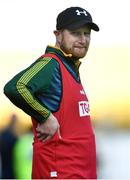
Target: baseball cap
75 17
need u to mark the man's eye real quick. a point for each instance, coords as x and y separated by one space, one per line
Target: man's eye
87 34
75 33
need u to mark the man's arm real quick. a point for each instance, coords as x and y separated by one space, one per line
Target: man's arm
22 90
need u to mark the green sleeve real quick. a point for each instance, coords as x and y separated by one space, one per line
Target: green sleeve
22 90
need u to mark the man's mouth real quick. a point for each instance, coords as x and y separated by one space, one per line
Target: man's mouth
80 47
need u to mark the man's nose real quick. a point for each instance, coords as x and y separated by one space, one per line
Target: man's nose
84 38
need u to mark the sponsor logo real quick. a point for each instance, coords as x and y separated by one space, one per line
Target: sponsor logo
84 108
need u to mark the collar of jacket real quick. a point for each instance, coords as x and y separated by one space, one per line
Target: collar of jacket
68 57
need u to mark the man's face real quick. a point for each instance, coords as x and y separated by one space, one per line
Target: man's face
75 42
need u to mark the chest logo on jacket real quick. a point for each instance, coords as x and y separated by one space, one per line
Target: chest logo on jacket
82 92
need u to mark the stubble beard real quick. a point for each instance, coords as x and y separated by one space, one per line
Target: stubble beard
74 52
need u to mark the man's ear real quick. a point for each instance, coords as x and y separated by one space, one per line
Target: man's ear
58 35
56 32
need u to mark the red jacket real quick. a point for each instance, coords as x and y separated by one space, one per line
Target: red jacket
73 155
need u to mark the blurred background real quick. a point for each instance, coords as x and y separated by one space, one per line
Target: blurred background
26 29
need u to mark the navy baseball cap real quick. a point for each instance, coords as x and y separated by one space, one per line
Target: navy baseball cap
75 17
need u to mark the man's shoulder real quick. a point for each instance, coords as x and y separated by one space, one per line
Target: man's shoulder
47 62
47 58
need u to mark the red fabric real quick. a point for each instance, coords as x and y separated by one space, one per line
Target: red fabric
73 156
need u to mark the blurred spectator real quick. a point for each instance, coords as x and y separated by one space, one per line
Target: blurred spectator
23 156
8 139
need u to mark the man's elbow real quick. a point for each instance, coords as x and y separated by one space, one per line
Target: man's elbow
9 91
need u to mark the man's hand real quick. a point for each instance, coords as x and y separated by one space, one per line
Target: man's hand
48 128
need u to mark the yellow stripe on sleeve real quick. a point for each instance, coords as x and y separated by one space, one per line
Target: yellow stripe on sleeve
25 93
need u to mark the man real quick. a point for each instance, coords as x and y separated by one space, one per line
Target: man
50 91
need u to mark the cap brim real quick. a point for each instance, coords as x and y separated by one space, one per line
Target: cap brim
79 24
